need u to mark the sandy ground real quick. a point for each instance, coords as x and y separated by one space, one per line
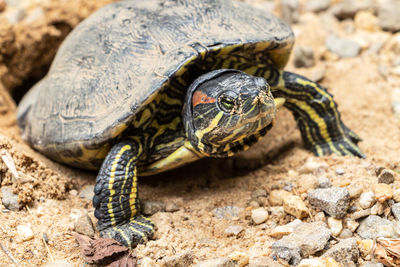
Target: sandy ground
51 200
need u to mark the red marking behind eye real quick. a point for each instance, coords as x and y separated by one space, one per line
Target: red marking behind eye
201 98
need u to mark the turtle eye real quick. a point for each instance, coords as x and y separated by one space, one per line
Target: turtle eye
227 102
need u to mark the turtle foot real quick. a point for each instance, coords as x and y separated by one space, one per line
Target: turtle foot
346 145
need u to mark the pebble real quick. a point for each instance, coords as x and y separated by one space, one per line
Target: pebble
317 74
73 192
341 46
312 165
360 214
58 263
10 200
388 15
367 199
345 252
396 195
386 177
227 212
352 225
295 206
259 215
315 262
346 233
150 207
84 225
182 259
366 20
217 262
87 192
340 171
348 8
306 239
396 211
290 11
335 200
320 217
280 231
335 225
317 5
324 182
303 57
276 197
24 232
277 211
383 192
34 15
373 264
264 261
241 259
259 193
15 15
355 190
378 209
171 206
233 230
365 246
374 226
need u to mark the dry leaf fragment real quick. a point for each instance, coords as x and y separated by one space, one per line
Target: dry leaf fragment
105 251
387 251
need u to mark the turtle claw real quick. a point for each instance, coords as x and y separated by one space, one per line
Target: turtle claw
137 231
344 146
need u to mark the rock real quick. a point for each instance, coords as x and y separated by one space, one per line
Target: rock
150 207
87 192
264 262
396 195
360 214
374 226
34 15
342 47
386 177
388 15
290 11
182 259
340 171
280 231
277 211
10 200
324 182
233 230
373 264
217 262
276 197
171 207
259 193
259 215
320 217
24 232
241 259
295 206
315 262
227 212
335 225
365 246
383 192
306 239
58 263
84 225
317 74
378 209
366 20
73 192
348 8
303 57
355 190
352 225
345 252
308 182
367 199
317 5
396 211
15 15
346 233
312 165
335 200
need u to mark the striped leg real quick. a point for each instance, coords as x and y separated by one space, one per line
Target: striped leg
316 115
116 197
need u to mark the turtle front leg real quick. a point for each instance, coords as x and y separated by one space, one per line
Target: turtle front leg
316 115
116 197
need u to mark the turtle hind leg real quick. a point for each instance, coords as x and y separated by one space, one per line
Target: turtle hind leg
116 197
316 115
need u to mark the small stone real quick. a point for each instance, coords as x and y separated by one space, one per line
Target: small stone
87 192
241 259
348 8
374 226
346 233
386 177
316 262
378 170
342 47
149 207
277 211
40 211
73 192
280 231
396 211
10 200
335 225
378 209
58 263
290 11
171 206
263 261
227 212
317 5
367 199
217 262
365 246
373 264
182 259
383 192
295 206
24 232
323 182
306 239
84 225
259 193
388 15
303 57
335 200
34 15
352 225
233 230
330 262
366 20
276 197
312 165
317 74
345 252
355 190
259 215
15 15
320 217
396 195
340 171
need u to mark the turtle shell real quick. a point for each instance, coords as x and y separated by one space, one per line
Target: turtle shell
115 62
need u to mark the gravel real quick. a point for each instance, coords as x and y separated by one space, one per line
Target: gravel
396 211
227 212
150 207
317 5
344 252
374 226
386 177
367 199
84 225
10 200
388 15
24 232
182 259
87 192
303 57
233 230
342 47
259 215
335 200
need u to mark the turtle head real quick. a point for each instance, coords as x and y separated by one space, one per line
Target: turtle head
227 111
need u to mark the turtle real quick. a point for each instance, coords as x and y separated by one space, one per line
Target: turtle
144 86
